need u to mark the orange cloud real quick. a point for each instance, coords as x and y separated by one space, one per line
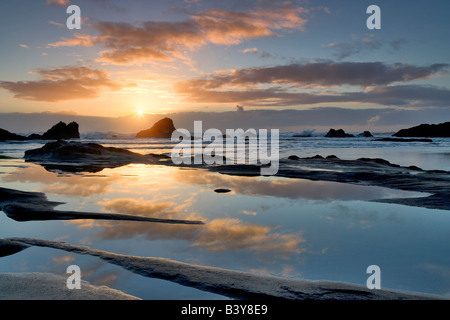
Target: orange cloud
62 84
231 27
127 43
58 2
82 40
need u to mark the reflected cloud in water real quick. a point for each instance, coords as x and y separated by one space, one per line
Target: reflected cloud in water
216 235
68 184
290 188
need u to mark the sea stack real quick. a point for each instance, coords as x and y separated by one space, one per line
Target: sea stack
338 134
441 130
161 129
59 131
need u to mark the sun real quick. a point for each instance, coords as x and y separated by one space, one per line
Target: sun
140 113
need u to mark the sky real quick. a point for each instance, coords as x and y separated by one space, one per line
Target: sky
181 56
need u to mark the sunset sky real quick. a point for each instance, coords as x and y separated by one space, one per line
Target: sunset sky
195 55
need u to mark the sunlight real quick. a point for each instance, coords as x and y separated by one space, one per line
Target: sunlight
140 113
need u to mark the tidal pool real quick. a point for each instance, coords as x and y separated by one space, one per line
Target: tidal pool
293 228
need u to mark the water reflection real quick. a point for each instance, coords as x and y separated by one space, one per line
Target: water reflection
218 234
63 184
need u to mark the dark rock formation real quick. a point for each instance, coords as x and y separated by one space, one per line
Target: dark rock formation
6 135
338 134
64 150
161 129
73 156
441 130
365 134
59 131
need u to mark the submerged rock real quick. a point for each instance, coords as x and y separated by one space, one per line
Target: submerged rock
161 129
441 130
365 134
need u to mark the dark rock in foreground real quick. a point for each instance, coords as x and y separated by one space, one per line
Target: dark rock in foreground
161 129
441 130
338 134
6 135
65 150
75 156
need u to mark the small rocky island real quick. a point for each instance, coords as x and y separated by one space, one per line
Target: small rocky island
441 130
332 133
161 129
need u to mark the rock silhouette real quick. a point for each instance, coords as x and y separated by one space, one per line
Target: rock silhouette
6 135
59 131
441 130
161 129
338 134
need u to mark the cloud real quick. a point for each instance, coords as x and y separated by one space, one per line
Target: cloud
364 45
62 84
127 43
324 74
285 85
250 50
57 24
231 27
58 2
23 46
79 39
